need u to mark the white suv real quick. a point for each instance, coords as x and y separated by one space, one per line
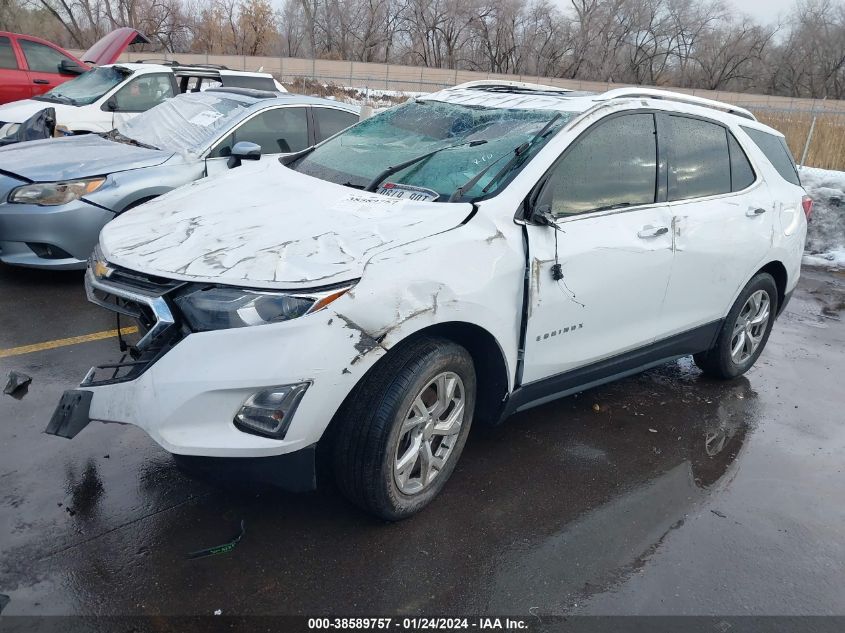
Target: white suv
99 100
461 257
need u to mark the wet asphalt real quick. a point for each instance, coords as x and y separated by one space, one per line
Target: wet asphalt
665 493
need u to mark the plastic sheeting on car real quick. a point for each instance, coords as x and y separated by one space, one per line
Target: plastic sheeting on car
40 125
186 123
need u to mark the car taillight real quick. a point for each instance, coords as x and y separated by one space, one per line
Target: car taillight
807 203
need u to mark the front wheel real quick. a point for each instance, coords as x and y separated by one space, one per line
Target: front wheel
745 331
403 430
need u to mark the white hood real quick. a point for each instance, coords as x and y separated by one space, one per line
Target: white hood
266 226
20 111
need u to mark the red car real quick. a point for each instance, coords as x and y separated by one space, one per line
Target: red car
30 66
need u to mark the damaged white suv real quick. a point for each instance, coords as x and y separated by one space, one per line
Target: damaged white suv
451 261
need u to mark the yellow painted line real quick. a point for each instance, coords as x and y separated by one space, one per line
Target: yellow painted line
63 342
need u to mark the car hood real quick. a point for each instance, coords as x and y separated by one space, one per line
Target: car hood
266 226
108 48
72 157
20 111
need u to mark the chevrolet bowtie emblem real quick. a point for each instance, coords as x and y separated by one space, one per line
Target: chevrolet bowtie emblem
101 269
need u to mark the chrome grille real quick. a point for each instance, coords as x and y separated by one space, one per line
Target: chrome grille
143 301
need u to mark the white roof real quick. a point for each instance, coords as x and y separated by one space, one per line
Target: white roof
518 95
477 96
135 67
188 69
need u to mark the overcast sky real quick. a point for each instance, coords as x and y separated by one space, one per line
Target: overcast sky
763 10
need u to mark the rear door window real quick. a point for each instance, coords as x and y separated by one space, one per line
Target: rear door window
330 121
776 150
7 54
613 165
699 162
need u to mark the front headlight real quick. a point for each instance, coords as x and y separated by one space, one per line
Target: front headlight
50 194
218 308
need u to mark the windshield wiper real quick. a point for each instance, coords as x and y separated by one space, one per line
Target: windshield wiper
518 152
55 97
114 135
290 159
375 182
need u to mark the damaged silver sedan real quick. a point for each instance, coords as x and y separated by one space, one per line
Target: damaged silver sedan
56 194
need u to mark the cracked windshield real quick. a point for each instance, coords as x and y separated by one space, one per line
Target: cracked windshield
86 88
462 141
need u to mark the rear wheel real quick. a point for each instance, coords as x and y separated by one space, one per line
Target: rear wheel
403 430
745 331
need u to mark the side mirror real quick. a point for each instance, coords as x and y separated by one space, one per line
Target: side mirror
111 104
70 67
243 150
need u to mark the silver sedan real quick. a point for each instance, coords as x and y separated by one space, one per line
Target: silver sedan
56 194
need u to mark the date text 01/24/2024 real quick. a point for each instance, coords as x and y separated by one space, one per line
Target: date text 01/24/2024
419 624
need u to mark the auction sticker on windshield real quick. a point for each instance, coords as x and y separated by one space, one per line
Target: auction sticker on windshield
408 192
205 118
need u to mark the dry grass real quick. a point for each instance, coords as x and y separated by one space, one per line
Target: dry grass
308 86
827 149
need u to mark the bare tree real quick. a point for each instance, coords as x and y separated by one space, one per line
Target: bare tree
688 43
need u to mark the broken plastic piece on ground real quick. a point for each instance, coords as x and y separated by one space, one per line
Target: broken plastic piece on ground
17 384
4 600
219 549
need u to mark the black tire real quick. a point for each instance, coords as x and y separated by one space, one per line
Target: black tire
717 361
368 427
137 203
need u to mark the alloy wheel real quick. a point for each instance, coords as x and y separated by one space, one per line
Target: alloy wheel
429 433
750 326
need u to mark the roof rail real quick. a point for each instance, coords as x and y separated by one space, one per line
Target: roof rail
504 84
204 66
174 63
247 92
653 93
155 60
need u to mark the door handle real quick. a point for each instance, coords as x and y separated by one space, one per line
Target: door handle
652 231
40 81
753 213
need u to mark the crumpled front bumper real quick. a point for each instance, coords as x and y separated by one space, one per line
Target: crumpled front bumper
187 399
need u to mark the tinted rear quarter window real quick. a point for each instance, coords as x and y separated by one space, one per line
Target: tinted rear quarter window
256 83
7 54
742 174
777 152
699 162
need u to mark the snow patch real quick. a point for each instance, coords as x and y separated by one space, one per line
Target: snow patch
826 231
